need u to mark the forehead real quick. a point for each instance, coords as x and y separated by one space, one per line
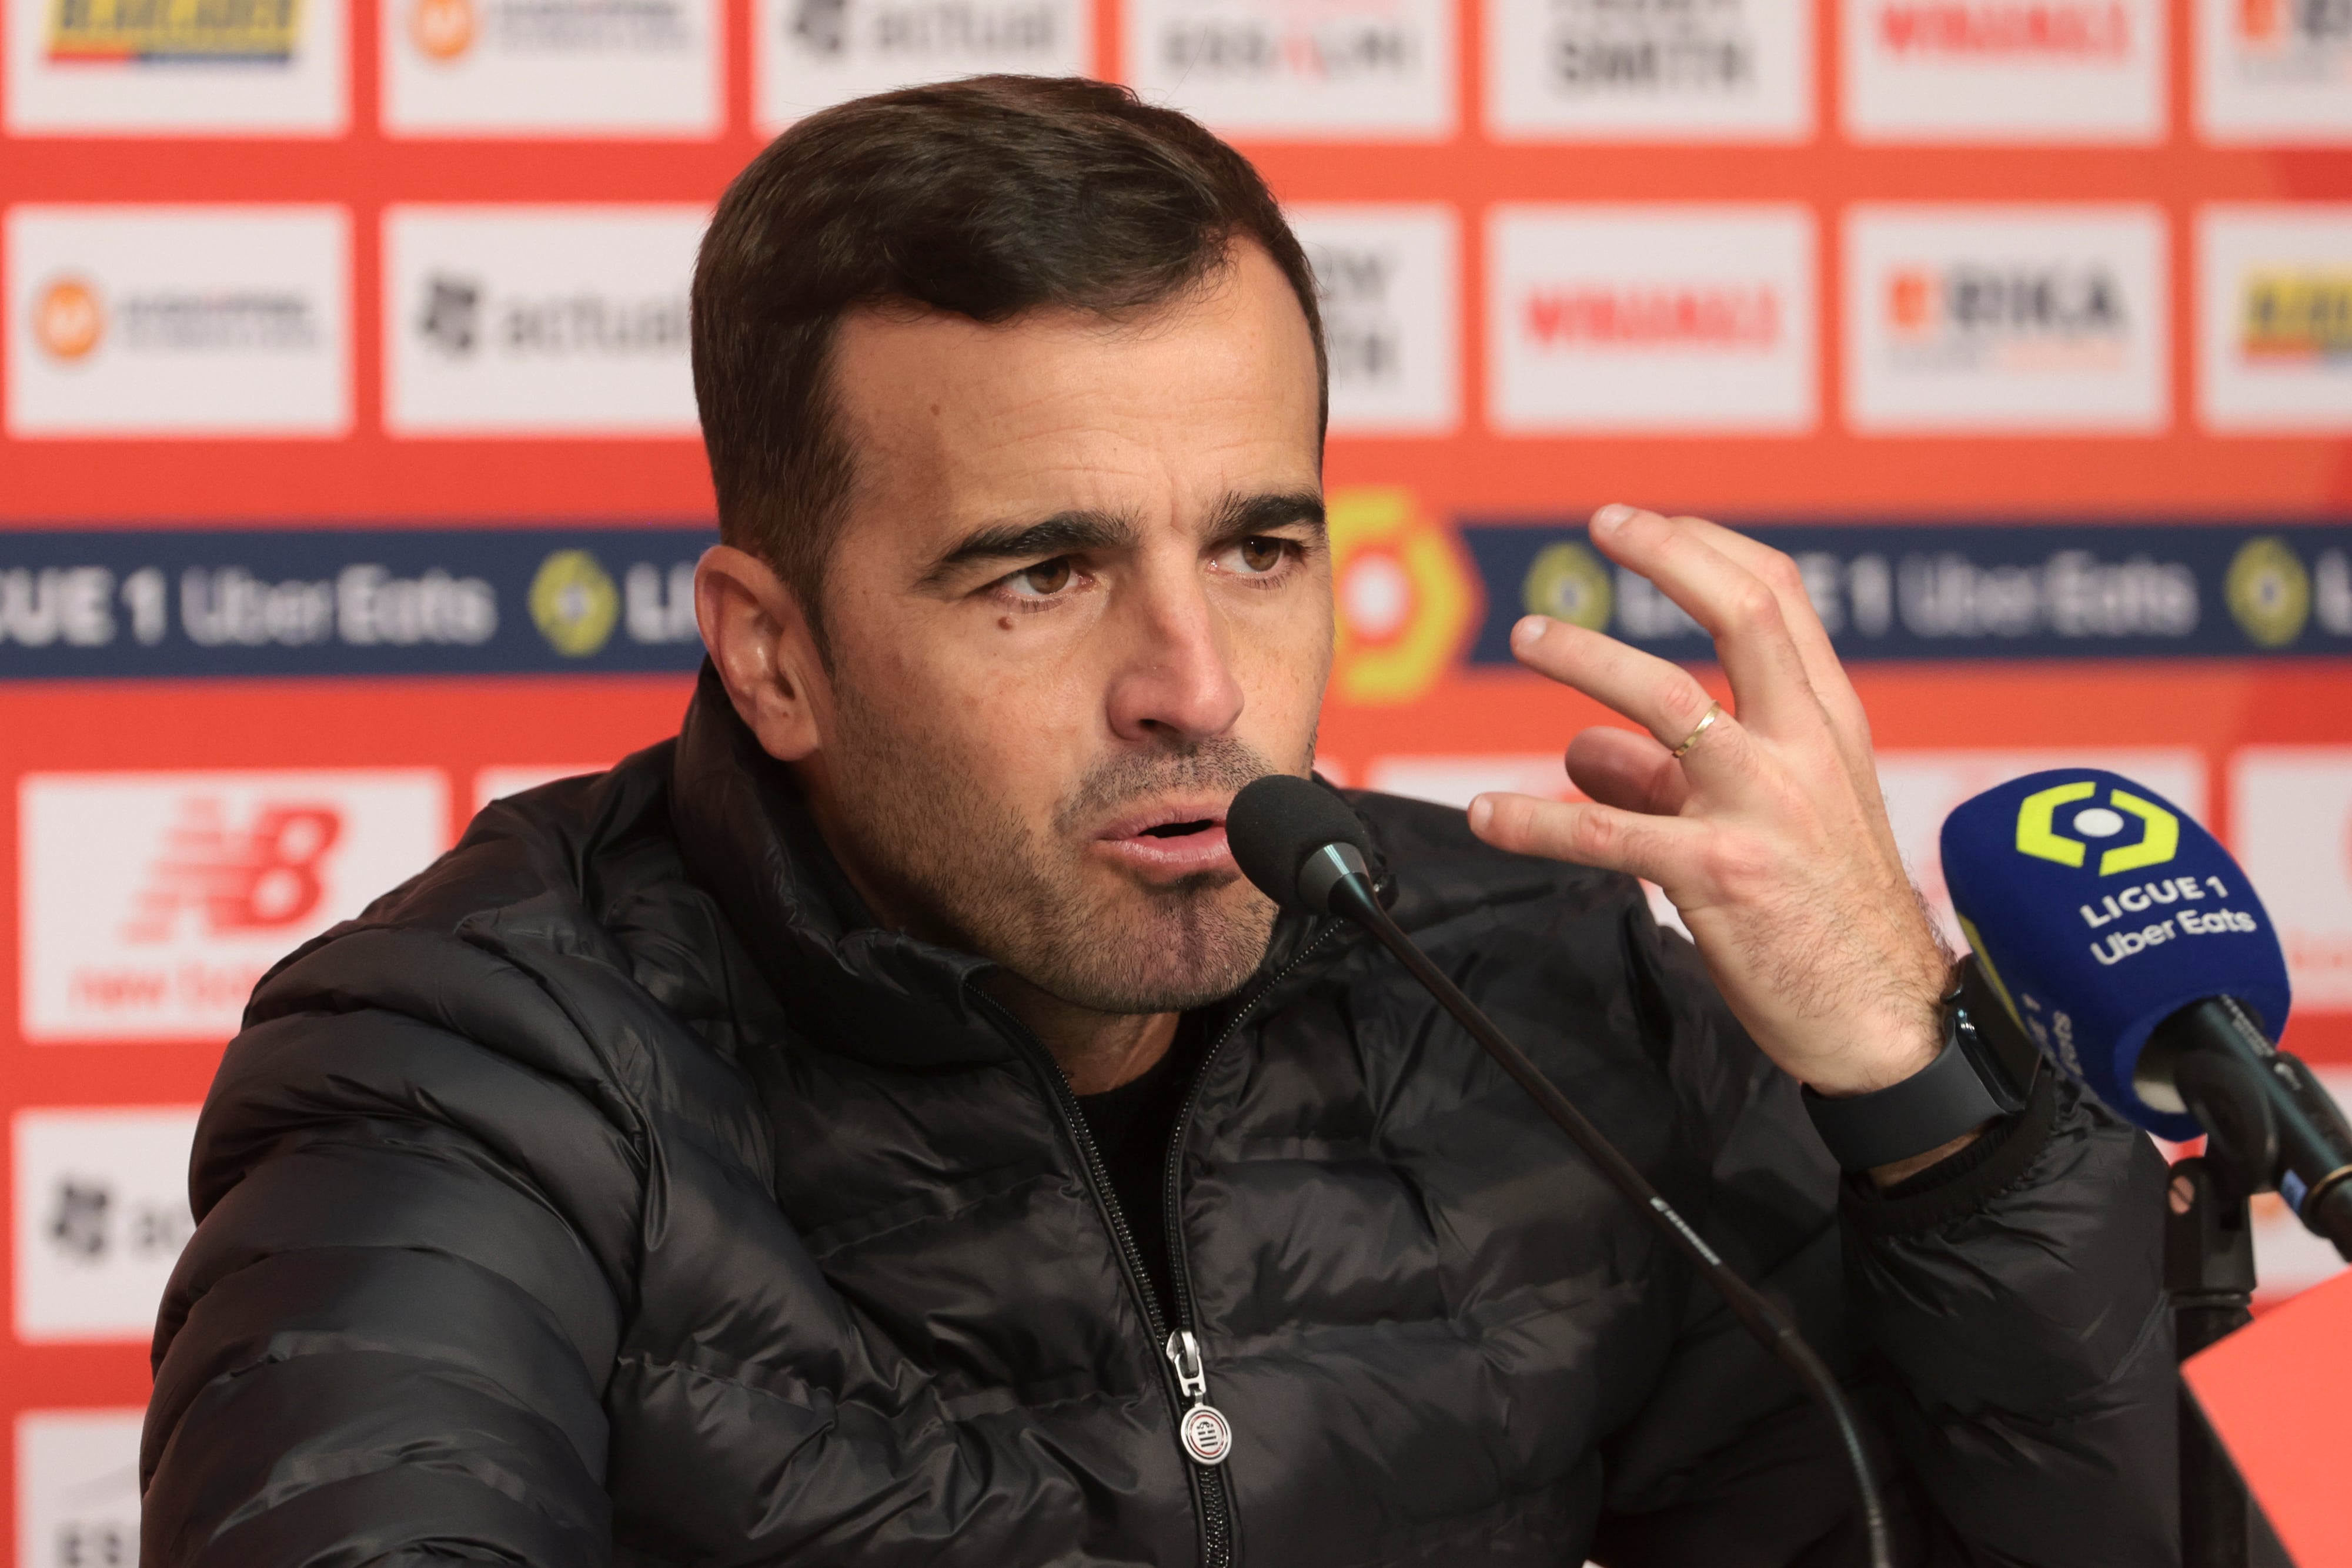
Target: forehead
1161 415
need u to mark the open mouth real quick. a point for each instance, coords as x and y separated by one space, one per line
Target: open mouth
1177 839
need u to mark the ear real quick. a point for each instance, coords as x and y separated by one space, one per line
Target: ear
759 638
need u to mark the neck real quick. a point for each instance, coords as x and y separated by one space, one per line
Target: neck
1094 1050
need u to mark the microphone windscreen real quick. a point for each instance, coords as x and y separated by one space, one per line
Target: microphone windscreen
2098 909
1276 822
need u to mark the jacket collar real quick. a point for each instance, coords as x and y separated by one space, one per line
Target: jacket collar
747 838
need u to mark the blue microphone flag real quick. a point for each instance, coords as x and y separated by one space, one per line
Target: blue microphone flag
2098 909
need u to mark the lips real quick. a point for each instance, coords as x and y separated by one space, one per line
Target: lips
1178 838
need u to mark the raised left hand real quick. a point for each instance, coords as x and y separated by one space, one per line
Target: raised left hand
1769 833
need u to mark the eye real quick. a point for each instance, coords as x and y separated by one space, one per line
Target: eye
1041 580
1260 555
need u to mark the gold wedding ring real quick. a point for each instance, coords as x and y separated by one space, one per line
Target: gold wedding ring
1706 723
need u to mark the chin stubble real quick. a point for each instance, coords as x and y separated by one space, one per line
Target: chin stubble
967 864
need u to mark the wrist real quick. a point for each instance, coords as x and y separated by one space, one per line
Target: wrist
1887 1175
1916 1042
1962 1183
1905 1126
1902 1035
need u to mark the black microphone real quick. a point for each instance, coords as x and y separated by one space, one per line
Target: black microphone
1303 848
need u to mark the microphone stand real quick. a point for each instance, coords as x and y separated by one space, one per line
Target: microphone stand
2208 1239
2208 1271
1350 896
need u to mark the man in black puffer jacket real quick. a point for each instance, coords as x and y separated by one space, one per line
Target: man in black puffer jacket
855 1132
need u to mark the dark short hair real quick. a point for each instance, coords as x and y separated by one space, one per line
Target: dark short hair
989 197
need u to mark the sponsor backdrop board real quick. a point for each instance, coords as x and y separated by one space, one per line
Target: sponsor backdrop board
2059 71
540 320
124 68
349 481
479 68
209 321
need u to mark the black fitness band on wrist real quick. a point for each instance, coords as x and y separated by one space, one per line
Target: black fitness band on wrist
1965 1087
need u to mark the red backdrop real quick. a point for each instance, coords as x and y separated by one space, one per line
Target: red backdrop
1910 411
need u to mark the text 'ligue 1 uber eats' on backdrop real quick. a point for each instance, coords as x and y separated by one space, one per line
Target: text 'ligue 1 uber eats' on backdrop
350 477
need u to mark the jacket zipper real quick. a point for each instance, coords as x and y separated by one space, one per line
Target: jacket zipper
1206 1433
1209 1517
1201 1428
1203 1419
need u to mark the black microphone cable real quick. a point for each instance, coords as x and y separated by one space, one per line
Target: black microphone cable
1301 846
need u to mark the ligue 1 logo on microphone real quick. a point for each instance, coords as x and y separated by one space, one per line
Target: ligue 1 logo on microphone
2037 835
2158 842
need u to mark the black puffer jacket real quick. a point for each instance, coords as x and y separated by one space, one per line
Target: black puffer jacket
608 1195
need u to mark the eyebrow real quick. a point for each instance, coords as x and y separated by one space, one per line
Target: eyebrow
1079 530
1064 533
1238 517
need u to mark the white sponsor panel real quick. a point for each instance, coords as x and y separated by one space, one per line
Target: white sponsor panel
77 1488
2025 319
539 320
1650 70
1922 787
1299 70
1651 318
101 1199
2274 317
2005 71
552 68
2290 820
2274 71
149 67
812 53
497 783
1388 279
178 321
152 903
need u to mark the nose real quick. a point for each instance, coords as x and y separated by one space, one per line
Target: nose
1173 679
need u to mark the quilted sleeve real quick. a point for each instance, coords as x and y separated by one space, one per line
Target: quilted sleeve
389 1337
2000 1320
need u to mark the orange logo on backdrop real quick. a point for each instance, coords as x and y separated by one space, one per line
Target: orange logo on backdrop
1405 597
2262 20
1911 300
67 320
443 28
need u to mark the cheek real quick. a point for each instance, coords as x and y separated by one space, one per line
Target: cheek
1015 724
1283 667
